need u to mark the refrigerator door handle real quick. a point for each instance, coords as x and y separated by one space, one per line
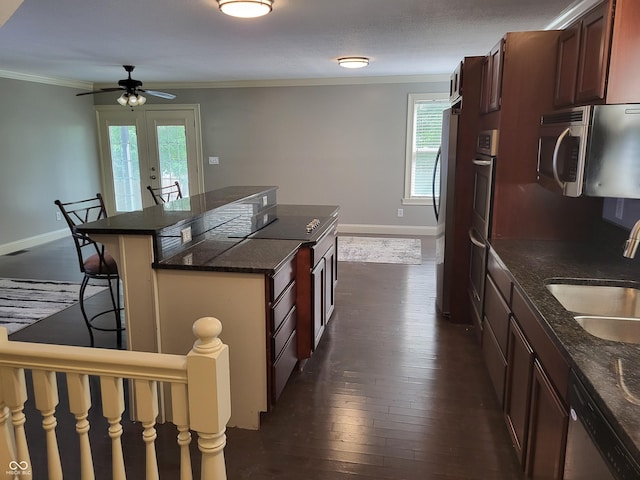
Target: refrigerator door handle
436 205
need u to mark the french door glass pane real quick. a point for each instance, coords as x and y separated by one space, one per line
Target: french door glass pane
125 166
172 153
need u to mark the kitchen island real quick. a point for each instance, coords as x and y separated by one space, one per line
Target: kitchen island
609 370
233 254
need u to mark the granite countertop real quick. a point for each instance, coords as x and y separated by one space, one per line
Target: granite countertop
233 255
532 263
150 220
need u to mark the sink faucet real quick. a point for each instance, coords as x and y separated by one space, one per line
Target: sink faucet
632 242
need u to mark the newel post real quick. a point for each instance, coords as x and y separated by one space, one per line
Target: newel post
209 395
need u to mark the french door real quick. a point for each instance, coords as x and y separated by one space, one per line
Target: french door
148 146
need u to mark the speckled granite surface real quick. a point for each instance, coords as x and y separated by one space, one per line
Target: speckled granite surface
532 264
234 255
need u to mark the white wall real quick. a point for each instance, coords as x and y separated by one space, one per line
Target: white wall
48 150
336 144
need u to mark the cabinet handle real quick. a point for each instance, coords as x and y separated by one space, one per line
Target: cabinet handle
482 163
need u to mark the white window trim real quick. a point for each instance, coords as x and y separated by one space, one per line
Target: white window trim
413 98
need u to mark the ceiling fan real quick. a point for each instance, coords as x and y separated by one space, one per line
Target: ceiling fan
132 90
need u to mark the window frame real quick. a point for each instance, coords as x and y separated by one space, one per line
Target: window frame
412 101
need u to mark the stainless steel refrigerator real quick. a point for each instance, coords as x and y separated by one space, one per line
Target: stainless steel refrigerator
444 210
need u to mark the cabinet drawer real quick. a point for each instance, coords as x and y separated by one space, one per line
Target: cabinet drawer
283 306
495 362
499 275
497 314
283 277
283 366
552 360
281 337
323 244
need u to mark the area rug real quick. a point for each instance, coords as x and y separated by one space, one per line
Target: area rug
406 251
24 302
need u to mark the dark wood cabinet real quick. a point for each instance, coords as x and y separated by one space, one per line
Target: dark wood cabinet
317 279
567 66
597 56
595 39
455 84
492 79
518 388
529 374
548 425
282 294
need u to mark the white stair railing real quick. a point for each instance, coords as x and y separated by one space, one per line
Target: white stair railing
200 401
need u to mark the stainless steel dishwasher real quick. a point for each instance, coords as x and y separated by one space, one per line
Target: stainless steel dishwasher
594 450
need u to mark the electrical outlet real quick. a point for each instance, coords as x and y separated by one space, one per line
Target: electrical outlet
401 212
186 234
58 216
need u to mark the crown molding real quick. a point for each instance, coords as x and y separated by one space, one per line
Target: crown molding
571 13
60 82
300 82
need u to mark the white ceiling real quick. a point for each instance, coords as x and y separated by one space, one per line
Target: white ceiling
178 41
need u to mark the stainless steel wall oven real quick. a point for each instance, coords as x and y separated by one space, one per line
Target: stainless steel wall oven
479 233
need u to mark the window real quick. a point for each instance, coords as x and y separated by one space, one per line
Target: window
424 128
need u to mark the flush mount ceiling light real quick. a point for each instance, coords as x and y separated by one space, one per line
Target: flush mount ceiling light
245 8
353 62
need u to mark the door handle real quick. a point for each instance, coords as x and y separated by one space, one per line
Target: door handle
556 150
436 205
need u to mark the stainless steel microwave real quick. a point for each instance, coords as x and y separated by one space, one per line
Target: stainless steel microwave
592 150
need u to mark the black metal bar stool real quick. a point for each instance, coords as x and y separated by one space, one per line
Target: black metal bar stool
95 261
165 194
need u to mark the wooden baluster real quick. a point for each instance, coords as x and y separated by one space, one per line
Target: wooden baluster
209 395
45 388
15 395
7 445
146 394
180 415
112 409
79 405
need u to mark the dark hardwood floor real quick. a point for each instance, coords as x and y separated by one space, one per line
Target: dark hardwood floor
393 392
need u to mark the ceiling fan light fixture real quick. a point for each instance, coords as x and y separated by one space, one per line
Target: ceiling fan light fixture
245 8
141 100
122 99
353 62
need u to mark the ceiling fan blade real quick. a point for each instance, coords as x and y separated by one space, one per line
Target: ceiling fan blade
102 90
168 96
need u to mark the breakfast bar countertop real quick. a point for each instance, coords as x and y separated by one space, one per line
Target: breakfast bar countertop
532 264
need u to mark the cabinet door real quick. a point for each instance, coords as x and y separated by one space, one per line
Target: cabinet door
455 84
492 79
567 66
518 389
594 54
318 279
330 283
548 423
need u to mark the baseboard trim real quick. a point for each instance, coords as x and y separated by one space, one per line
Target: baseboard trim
387 229
32 241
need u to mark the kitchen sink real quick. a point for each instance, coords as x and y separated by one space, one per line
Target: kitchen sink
605 311
618 329
597 300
